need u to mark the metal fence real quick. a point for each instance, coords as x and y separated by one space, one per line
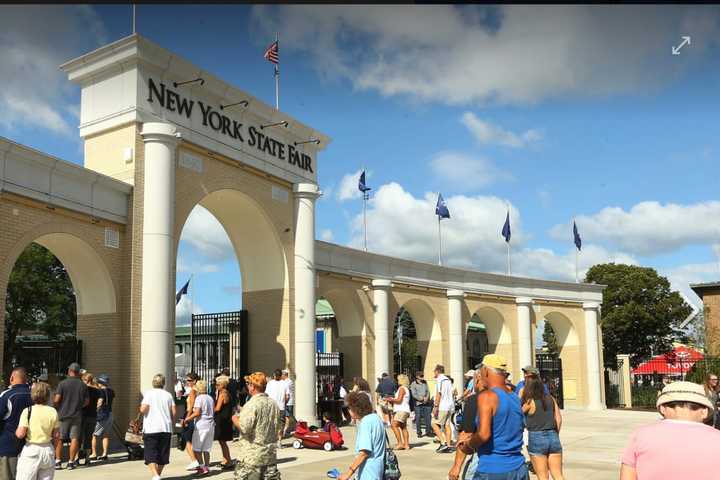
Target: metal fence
329 369
550 367
614 391
48 357
219 340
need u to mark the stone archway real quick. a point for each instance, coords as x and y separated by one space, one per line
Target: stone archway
428 332
569 351
496 330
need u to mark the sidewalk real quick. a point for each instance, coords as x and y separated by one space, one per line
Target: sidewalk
593 442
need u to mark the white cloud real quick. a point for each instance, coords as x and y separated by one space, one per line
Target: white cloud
402 225
35 41
348 189
682 276
649 228
465 171
326 235
499 54
487 133
204 232
183 310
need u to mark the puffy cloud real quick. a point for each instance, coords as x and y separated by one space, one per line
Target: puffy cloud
326 235
348 189
500 54
487 133
682 276
466 171
35 40
649 228
204 232
184 309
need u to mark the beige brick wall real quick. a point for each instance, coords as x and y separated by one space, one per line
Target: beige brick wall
711 310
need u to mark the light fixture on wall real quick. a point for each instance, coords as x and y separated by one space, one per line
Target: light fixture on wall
188 82
312 140
276 124
244 103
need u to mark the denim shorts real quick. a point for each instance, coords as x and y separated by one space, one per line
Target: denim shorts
545 442
521 473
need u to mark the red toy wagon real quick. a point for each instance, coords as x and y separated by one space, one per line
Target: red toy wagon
311 437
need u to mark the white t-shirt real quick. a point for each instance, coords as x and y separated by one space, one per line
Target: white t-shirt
342 392
443 385
206 405
404 405
159 417
276 389
290 385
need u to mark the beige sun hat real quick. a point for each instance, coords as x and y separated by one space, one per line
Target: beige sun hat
684 392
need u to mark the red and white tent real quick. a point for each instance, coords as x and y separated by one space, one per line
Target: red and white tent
678 361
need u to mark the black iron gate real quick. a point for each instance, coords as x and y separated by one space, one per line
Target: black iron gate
550 367
329 370
409 366
47 357
217 341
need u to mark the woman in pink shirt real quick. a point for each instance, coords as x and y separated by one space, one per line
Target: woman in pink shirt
681 445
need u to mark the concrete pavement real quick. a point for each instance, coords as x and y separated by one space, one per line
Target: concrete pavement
592 442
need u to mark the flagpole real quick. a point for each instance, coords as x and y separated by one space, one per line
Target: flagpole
133 18
577 280
365 199
508 242
192 307
439 242
277 73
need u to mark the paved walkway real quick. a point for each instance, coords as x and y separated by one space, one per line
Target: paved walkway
592 441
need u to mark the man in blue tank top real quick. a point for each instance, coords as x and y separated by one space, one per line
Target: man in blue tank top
498 439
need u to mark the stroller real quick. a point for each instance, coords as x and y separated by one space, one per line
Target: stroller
133 440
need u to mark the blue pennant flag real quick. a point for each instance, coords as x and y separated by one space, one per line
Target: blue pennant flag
576 237
506 228
361 184
181 292
441 210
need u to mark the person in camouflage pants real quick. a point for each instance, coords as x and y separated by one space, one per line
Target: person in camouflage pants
259 425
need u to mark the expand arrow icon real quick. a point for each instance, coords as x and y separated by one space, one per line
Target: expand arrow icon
676 50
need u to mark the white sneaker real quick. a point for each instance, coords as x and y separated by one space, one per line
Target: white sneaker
156 477
192 465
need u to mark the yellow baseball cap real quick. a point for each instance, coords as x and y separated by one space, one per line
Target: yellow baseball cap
495 361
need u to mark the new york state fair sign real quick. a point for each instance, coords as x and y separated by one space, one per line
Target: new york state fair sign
213 119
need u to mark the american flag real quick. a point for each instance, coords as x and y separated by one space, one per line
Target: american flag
272 54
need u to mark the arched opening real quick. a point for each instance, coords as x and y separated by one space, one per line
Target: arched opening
406 355
477 344
428 336
487 332
58 292
230 252
556 338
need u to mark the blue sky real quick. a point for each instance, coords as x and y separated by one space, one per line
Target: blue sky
559 112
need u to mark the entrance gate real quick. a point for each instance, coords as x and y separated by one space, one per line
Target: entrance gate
217 341
48 357
550 367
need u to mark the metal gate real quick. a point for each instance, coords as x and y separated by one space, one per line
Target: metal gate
409 366
48 357
329 369
217 341
550 367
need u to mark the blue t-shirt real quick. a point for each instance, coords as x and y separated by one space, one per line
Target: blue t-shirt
371 438
521 385
12 402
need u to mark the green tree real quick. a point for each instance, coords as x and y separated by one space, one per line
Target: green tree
40 297
640 312
550 340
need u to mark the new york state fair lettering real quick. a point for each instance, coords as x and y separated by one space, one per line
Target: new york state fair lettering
211 118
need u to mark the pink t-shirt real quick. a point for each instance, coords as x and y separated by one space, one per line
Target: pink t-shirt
673 450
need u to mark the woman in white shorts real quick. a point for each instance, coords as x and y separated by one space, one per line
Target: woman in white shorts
39 427
401 412
204 416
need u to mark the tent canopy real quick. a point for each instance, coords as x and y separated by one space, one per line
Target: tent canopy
675 362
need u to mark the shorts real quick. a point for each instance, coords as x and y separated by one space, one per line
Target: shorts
157 448
545 442
521 473
36 461
202 438
401 417
290 411
103 427
70 428
442 418
8 467
88 428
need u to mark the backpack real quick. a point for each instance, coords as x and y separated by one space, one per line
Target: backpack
392 467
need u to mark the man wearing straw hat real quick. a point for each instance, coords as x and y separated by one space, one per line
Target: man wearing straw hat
680 445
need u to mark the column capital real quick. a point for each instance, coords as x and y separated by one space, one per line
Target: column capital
306 190
591 306
160 132
524 301
381 283
453 293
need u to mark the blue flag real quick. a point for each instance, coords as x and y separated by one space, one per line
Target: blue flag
506 228
361 184
441 210
181 292
576 237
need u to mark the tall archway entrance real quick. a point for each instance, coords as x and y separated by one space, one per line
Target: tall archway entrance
477 344
406 354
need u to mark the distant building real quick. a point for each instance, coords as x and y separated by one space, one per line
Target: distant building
709 293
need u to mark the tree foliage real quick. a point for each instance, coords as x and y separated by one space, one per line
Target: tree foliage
550 340
640 312
40 298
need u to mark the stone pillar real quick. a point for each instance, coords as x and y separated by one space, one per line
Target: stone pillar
305 196
624 384
525 346
455 334
158 255
593 370
381 289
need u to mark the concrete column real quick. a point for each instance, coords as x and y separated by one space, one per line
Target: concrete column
455 334
381 289
158 284
525 347
305 196
624 384
593 371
